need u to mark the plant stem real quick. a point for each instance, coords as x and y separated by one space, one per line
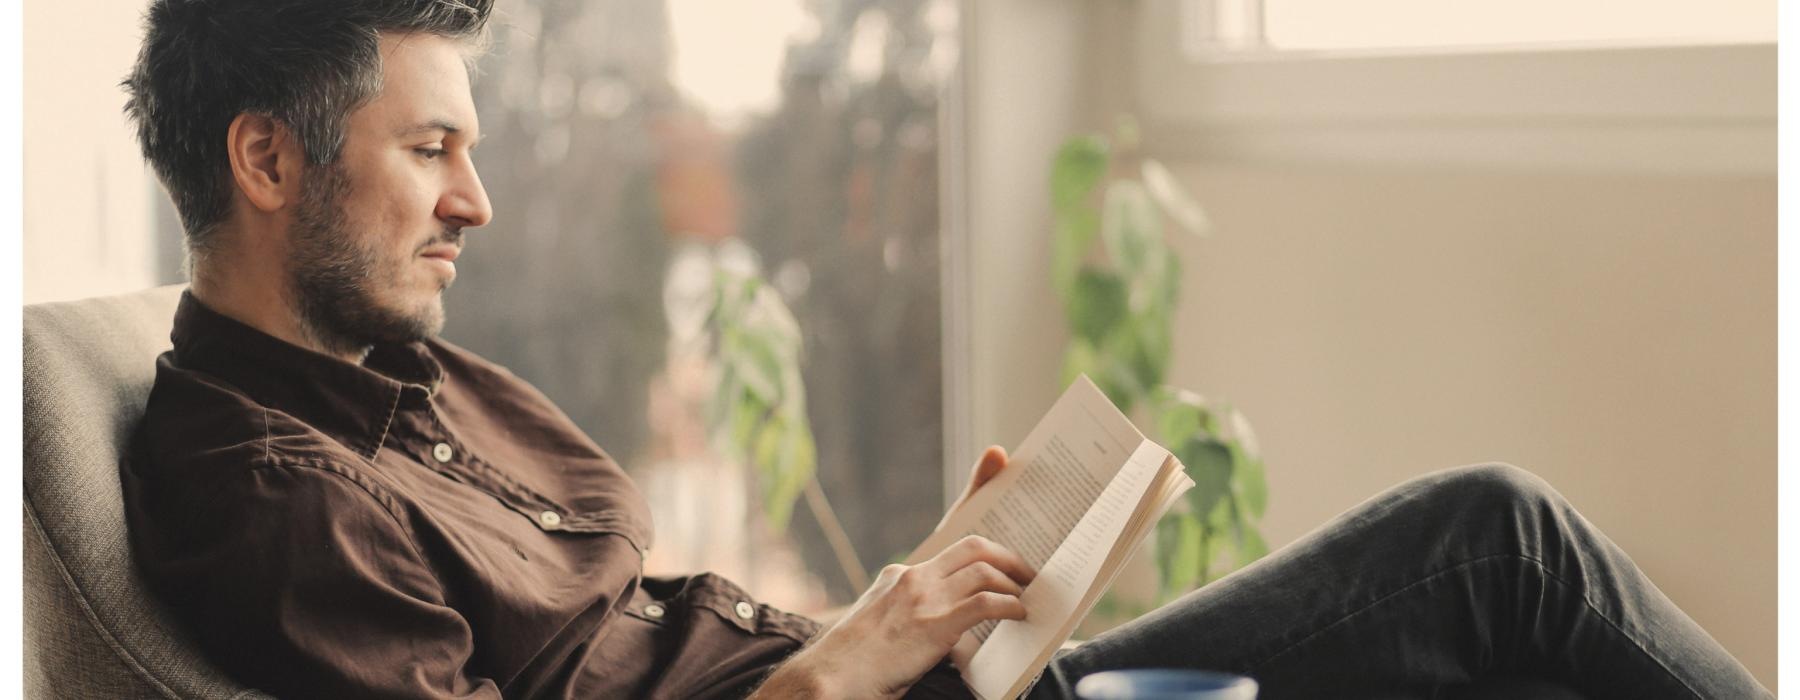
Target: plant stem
835 534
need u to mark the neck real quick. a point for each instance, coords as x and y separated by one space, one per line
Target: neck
259 296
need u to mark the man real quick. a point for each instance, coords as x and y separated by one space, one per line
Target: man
338 504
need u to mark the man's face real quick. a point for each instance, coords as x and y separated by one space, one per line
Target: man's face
376 234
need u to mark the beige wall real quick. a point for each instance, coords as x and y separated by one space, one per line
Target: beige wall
1614 334
88 195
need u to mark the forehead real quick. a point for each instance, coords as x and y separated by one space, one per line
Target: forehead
423 80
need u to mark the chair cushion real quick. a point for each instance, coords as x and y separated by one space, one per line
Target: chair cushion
91 627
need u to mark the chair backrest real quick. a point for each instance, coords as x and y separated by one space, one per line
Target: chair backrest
91 628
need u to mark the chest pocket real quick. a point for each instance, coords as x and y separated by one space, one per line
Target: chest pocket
566 485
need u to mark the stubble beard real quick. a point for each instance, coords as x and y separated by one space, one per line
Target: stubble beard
334 278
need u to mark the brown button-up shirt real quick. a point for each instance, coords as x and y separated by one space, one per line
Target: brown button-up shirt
423 525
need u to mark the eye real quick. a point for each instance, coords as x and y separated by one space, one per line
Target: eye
430 153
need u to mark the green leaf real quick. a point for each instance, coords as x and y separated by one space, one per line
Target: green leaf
1168 549
768 319
1174 199
1251 483
734 292
1074 231
1209 465
1149 350
1098 304
1223 518
1114 375
785 459
1204 535
1243 435
766 457
1209 422
765 451
1176 421
1080 165
1247 539
1132 231
746 424
1181 552
757 413
1079 359
787 477
758 364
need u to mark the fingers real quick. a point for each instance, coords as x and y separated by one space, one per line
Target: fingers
971 581
987 605
974 548
981 576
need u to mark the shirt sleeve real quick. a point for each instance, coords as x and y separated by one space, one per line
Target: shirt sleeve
303 582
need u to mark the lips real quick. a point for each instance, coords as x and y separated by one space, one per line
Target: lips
444 252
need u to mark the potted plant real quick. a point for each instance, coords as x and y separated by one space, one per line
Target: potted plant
1118 279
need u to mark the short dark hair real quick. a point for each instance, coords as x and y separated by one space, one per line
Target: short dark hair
305 63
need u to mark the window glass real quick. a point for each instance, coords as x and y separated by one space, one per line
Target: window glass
631 146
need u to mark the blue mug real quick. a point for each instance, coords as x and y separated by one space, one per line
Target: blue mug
1165 684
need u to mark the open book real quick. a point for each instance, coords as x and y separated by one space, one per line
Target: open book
1075 500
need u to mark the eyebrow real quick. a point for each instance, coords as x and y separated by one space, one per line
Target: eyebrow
443 125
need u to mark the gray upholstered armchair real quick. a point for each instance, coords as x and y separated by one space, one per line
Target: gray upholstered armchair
91 628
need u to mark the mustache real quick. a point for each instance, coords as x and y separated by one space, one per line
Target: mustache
452 235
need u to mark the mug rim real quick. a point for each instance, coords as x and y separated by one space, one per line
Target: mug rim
1160 683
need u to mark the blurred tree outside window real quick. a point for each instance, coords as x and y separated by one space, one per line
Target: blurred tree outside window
631 148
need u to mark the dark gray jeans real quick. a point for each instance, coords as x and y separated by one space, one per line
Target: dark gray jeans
1451 578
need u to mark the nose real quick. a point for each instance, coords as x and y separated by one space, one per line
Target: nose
465 203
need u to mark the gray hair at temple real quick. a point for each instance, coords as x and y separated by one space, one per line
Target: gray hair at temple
305 63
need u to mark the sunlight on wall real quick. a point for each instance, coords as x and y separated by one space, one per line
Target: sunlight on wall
88 195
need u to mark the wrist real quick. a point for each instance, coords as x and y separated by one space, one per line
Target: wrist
798 677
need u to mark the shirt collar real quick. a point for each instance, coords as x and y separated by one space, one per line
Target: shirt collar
353 404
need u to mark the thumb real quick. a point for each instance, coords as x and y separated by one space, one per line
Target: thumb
992 461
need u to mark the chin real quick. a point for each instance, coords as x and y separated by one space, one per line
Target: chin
411 322
430 320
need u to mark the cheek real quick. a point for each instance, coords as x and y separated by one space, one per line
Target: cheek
395 219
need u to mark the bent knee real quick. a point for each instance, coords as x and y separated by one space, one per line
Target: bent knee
1497 485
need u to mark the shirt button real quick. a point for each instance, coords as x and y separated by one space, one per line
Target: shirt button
745 610
653 611
550 518
442 452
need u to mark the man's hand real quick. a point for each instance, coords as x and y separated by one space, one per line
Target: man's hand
993 460
908 620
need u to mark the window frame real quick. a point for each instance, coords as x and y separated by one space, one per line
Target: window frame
1614 106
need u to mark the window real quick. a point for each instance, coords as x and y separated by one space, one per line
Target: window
1209 88
1312 25
628 144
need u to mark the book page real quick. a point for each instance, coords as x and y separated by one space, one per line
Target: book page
1168 487
1049 482
1063 582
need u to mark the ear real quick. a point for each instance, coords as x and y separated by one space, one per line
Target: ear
266 161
